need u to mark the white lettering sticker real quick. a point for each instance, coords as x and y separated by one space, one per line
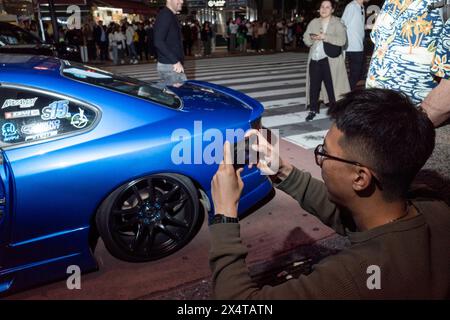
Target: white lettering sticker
22 103
41 136
22 114
40 127
56 110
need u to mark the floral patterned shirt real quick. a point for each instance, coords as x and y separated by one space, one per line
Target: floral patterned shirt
411 48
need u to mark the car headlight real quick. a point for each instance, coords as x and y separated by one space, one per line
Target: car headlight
71 49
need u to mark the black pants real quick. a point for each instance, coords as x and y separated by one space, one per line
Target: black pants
187 45
356 66
92 50
104 51
319 71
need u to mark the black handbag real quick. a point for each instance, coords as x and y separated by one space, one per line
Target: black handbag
331 50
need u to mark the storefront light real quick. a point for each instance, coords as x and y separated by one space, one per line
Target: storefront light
217 3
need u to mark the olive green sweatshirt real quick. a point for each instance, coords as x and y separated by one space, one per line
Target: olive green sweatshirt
405 259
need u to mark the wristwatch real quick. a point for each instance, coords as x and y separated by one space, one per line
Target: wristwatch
220 218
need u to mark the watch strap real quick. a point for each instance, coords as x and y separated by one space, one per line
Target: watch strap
220 218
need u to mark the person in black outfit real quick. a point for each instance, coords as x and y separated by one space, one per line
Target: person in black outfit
150 39
142 42
187 39
169 44
207 36
101 39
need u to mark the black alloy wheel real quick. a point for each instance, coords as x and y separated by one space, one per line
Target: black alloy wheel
149 218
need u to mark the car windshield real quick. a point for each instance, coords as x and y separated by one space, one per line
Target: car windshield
131 86
16 36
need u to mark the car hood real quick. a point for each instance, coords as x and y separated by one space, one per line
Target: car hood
205 97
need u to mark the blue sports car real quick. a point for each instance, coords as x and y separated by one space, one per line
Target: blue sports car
87 153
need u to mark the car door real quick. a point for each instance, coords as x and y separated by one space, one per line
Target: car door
5 221
3 206
32 123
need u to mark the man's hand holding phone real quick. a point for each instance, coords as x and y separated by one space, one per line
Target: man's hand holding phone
315 36
227 185
269 161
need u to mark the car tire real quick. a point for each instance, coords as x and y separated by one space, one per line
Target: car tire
149 218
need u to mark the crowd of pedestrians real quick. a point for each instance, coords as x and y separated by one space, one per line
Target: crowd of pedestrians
117 42
263 35
132 42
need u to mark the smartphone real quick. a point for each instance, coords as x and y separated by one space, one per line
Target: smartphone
243 154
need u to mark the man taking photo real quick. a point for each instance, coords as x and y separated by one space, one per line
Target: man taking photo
377 144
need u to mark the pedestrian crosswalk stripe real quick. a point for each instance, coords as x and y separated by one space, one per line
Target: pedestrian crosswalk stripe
231 72
269 84
199 70
258 79
285 119
261 94
245 71
283 103
253 74
218 68
308 140
232 76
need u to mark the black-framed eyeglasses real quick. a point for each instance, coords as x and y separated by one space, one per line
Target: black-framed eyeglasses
320 155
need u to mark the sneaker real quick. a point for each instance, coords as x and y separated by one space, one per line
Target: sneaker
311 115
135 62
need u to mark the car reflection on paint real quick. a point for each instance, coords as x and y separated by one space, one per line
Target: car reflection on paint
86 153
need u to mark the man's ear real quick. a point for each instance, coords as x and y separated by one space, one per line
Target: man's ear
363 178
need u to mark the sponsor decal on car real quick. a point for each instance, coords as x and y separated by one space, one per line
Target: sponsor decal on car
22 103
22 114
40 136
9 132
56 110
40 127
79 120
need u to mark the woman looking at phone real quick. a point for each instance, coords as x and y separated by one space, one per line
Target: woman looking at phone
324 70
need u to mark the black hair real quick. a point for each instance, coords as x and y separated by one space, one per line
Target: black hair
333 3
385 131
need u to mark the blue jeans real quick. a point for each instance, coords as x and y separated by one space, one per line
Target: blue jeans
168 76
115 55
133 54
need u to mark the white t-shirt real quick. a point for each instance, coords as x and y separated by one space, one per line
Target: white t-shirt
318 50
249 29
354 19
234 28
129 34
